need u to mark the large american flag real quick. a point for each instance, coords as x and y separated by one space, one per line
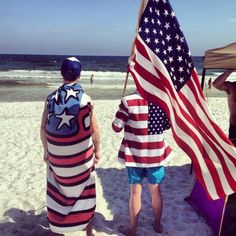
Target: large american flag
164 73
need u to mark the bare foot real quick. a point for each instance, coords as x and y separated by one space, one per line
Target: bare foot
126 231
158 228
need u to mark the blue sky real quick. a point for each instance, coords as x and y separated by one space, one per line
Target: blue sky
105 27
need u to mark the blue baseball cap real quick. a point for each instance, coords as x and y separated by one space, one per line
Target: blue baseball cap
71 68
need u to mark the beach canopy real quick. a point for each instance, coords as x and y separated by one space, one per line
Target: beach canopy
221 58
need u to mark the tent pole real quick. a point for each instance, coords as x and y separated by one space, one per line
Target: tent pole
203 77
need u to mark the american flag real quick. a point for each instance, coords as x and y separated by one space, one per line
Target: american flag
164 73
143 144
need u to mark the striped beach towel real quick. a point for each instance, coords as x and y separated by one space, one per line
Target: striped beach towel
70 179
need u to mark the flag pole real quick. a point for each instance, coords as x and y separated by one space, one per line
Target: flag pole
142 7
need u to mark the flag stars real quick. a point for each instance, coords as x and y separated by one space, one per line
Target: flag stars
156 41
172 14
171 59
148 40
169 49
180 59
178 48
146 20
167 25
166 13
181 80
168 38
65 119
147 31
181 69
157 50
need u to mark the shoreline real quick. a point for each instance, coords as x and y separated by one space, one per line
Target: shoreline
39 92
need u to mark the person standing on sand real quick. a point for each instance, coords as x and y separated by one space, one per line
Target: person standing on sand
144 151
71 142
230 88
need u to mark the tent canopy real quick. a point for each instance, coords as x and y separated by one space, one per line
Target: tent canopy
221 58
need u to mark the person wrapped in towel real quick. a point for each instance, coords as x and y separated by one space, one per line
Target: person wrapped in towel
71 142
143 151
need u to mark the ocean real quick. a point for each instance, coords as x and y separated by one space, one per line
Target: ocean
107 70
36 71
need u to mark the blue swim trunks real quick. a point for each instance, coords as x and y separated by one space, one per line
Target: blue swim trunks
154 175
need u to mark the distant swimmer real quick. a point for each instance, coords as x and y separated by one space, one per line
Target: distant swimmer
91 79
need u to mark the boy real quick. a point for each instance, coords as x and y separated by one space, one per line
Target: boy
71 142
144 151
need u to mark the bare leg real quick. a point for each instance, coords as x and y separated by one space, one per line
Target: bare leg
157 206
134 209
89 229
134 206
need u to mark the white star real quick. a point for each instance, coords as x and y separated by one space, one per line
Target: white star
189 53
180 58
181 80
168 38
157 50
161 33
182 39
153 21
177 36
150 9
146 20
181 69
170 49
172 14
178 48
156 41
140 30
65 119
167 25
70 92
147 31
158 22
171 59
154 31
148 40
166 13
55 96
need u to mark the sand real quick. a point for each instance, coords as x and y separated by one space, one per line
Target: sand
23 177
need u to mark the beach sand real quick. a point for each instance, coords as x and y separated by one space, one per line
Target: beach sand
23 175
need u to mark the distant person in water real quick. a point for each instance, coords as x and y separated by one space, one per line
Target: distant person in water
230 88
71 142
92 79
209 84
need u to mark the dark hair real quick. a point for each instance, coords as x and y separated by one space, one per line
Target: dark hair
70 69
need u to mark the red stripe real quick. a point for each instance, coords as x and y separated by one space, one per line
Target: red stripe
122 116
123 107
70 161
135 131
145 145
61 198
70 219
137 102
115 128
88 192
144 160
71 180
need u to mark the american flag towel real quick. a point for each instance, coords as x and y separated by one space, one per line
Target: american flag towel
70 181
143 144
